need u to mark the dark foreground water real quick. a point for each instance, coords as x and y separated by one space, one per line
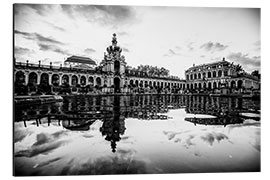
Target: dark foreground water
137 135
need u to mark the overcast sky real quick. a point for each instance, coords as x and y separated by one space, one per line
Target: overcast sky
170 37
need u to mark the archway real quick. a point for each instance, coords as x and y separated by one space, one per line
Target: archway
116 67
20 88
239 84
209 74
200 86
32 82
55 79
214 74
91 80
219 73
83 80
44 78
204 85
233 84
214 85
137 83
32 78
74 80
209 85
65 79
20 78
44 86
116 82
98 81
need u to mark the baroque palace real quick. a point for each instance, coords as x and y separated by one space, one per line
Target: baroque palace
81 75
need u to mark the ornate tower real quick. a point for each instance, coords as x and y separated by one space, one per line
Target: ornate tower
114 64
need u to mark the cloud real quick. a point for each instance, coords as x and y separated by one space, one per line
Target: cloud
122 33
55 27
210 46
101 166
22 51
210 138
53 48
45 143
89 50
44 43
38 37
46 163
41 9
244 59
102 14
126 50
189 46
257 45
171 53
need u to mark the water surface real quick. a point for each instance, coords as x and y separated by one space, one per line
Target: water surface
141 134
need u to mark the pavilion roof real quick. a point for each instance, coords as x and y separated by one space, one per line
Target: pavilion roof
80 59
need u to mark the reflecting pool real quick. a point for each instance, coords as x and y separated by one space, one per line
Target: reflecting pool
142 134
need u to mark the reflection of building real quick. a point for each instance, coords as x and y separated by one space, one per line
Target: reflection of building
219 74
225 110
79 113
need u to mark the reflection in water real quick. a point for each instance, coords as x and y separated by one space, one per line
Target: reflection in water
106 116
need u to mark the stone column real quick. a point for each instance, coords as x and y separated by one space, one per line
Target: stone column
38 78
70 79
26 78
60 80
50 79
79 80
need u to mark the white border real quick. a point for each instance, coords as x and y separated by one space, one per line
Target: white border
7 71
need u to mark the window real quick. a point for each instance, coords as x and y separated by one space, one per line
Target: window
219 73
209 74
214 74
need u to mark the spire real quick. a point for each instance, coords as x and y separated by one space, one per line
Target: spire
114 39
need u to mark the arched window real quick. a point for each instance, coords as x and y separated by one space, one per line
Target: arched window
65 79
209 74
74 80
209 85
219 73
98 81
20 78
55 79
83 80
214 74
44 78
32 78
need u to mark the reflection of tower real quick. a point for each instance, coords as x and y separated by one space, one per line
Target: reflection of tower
114 126
114 64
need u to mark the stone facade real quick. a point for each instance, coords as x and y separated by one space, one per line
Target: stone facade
110 76
217 75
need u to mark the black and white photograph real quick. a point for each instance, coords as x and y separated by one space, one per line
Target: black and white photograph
135 89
